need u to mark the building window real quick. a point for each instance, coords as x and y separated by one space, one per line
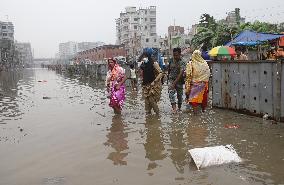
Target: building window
147 40
135 27
152 12
145 19
145 27
4 34
152 19
136 19
3 27
155 40
153 34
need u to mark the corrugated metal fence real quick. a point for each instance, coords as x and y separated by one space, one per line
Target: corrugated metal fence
255 87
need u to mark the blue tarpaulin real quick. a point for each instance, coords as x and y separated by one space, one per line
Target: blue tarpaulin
251 38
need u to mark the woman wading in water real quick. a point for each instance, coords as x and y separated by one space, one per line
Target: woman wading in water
151 83
115 85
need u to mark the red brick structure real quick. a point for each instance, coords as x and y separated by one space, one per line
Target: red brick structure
100 53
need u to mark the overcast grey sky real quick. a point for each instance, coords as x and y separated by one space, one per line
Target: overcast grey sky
46 23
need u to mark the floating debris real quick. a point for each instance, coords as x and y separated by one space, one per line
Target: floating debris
232 126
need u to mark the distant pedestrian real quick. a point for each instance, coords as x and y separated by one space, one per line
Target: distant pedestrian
240 55
176 71
115 85
196 84
151 81
133 77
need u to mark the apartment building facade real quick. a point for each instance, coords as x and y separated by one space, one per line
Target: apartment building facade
137 29
24 52
67 50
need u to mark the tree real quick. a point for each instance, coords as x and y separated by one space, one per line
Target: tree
281 27
205 31
238 16
211 34
207 21
260 27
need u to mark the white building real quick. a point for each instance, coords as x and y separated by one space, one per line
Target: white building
83 46
136 29
24 52
6 31
67 50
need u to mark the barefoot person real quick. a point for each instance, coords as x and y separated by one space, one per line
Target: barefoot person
151 82
115 85
196 84
175 79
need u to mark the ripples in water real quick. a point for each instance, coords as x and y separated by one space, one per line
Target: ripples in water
79 126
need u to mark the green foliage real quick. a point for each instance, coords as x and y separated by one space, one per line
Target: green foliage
281 27
211 33
260 27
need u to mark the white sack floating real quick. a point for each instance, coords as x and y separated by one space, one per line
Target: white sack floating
211 156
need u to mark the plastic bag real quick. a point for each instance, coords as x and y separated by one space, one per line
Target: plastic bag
211 156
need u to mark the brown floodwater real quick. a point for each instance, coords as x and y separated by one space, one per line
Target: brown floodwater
58 130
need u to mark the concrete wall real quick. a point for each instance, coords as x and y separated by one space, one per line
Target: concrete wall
252 87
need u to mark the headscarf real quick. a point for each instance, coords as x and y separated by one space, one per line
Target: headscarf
196 57
116 71
197 69
149 52
148 68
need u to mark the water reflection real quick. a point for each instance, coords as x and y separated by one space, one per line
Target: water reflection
14 89
95 83
178 150
197 133
154 145
117 139
165 140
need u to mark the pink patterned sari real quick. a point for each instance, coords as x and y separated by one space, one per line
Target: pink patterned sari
117 97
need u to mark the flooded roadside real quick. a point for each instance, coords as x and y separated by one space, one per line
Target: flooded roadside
73 137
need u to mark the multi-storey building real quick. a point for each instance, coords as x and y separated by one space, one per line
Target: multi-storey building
24 52
67 50
233 18
82 46
175 30
136 29
193 30
178 38
7 49
6 31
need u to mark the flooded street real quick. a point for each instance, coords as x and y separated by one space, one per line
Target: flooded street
59 130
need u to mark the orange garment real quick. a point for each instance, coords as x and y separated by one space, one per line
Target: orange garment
281 42
280 53
199 97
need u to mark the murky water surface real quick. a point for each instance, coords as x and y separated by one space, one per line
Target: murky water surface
59 130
